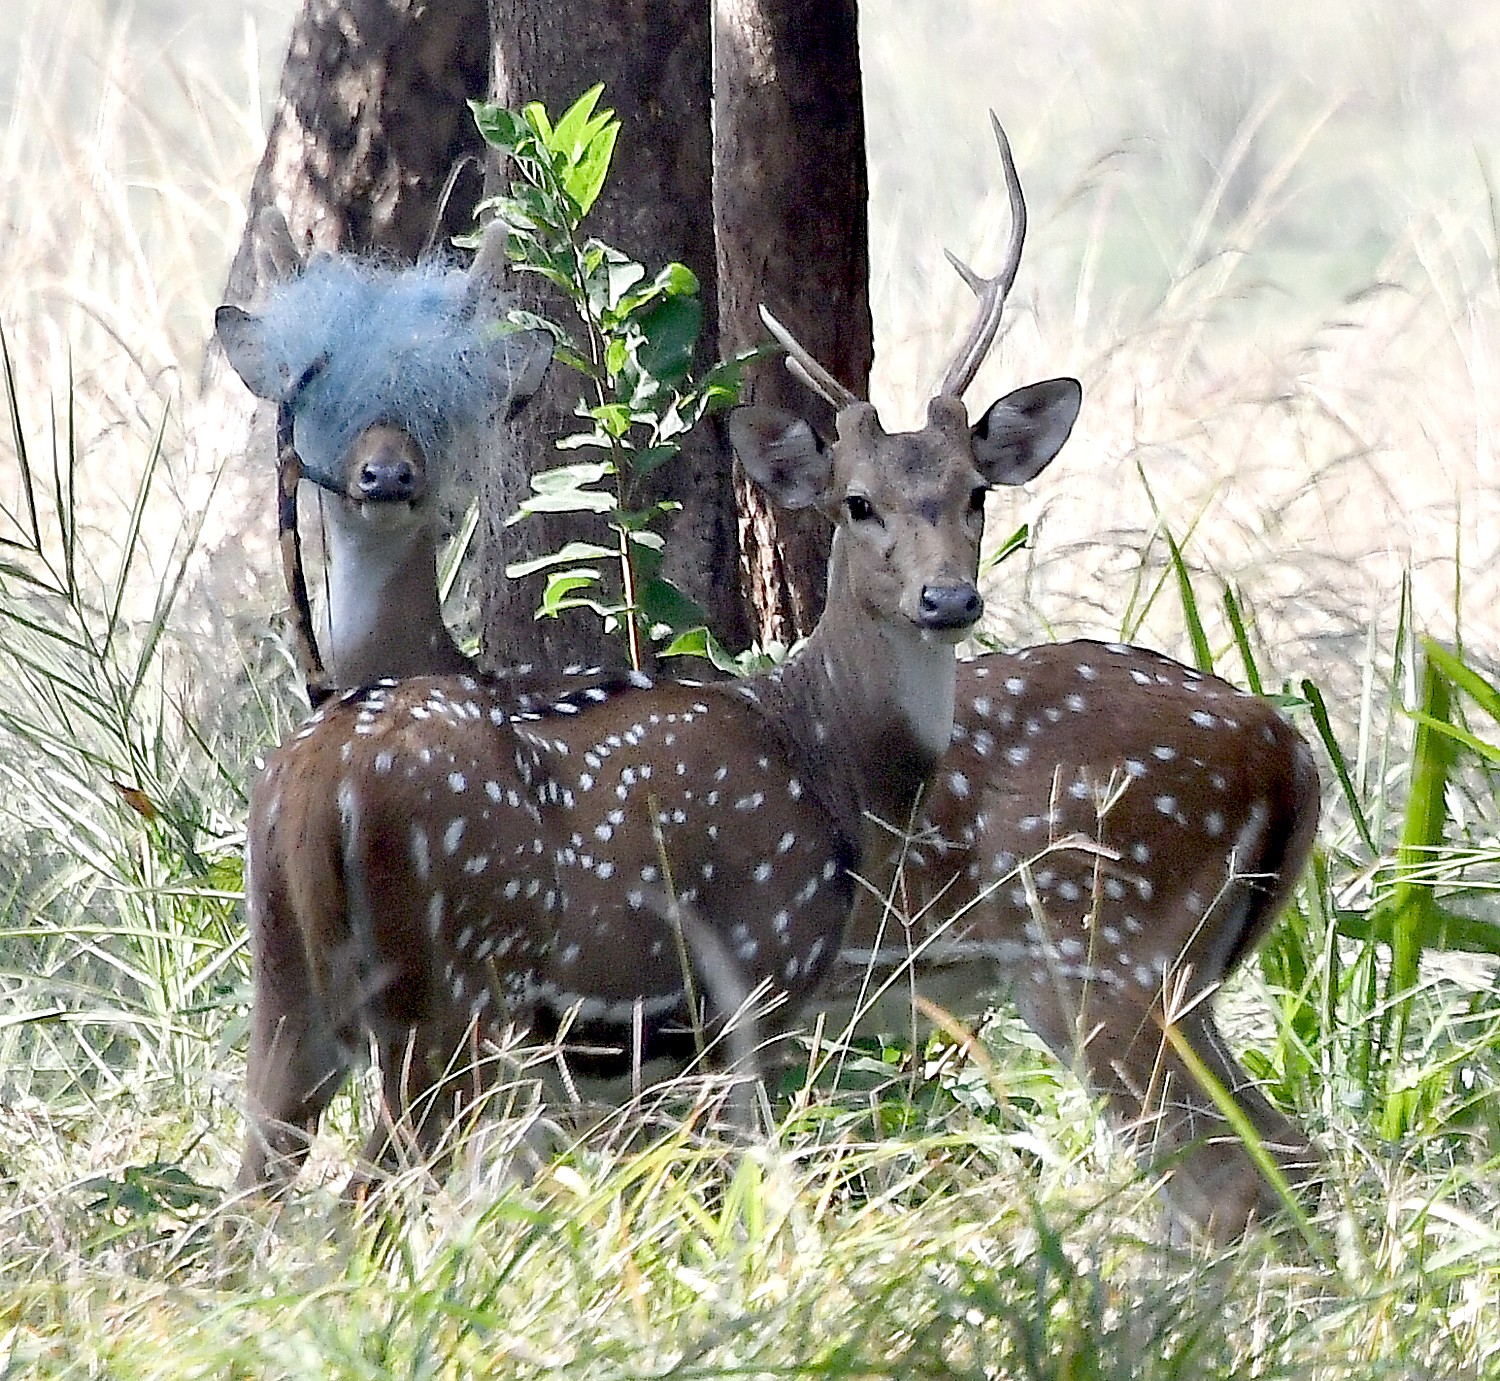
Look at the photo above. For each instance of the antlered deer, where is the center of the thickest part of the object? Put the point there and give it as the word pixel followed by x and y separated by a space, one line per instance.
pixel 429 855
pixel 1111 834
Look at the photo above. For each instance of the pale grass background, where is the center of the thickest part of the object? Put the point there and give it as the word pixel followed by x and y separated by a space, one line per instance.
pixel 1261 235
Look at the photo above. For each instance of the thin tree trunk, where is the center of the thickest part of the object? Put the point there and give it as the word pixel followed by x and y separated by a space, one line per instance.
pixel 790 195
pixel 653 58
pixel 370 134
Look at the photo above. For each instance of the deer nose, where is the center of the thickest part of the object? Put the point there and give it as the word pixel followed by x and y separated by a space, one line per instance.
pixel 950 606
pixel 389 477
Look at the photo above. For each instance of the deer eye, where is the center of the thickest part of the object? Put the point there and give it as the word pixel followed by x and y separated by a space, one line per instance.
pixel 860 509
pixel 976 498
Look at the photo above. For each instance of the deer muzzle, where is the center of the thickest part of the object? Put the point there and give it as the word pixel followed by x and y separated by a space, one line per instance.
pixel 951 607
pixel 388 478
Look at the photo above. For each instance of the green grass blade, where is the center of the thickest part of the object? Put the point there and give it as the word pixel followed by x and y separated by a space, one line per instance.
pixel 1242 641
pixel 1319 709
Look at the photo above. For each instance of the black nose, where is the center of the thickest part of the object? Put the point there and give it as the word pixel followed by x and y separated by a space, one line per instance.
pixel 950 606
pixel 388 477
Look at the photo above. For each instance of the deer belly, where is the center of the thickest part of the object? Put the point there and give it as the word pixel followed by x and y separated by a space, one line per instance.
pixel 871 991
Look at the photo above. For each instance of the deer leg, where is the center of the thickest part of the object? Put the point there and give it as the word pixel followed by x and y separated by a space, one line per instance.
pixel 1117 1040
pixel 295 1066
pixel 432 1077
pixel 1216 1180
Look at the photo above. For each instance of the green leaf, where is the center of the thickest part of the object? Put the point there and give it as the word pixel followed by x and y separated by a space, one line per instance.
pixel 615 418
pixel 1319 710
pixel 586 180
pixel 571 132
pixel 575 361
pixel 534 113
pixel 671 331
pixel 572 501
pixel 678 280
pixel 1009 547
pixel 664 604
pixel 498 126
pixel 1482 692
pixel 585 143
pixel 621 274
pixel 564 477
pixel 582 441
pixel 1203 657
pixel 561 585
pixel 572 551
pixel 615 356
pixel 699 642
pixel 1242 641
pixel 565 489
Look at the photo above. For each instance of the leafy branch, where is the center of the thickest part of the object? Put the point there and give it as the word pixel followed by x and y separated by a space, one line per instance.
pixel 633 346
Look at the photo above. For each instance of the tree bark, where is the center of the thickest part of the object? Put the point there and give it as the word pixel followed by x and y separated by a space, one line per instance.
pixel 371 127
pixel 371 148
pixel 790 206
pixel 653 58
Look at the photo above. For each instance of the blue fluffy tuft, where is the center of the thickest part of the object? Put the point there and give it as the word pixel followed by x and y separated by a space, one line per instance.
pixel 403 346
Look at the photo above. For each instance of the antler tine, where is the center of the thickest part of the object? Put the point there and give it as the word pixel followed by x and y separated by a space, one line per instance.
pixel 277 258
pixel 801 365
pixel 488 268
pixel 991 292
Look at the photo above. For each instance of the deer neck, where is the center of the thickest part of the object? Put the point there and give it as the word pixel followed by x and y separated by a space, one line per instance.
pixel 382 616
pixel 871 702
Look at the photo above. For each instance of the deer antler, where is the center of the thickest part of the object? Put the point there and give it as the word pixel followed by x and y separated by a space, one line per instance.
pixel 277 258
pixel 801 365
pixel 991 292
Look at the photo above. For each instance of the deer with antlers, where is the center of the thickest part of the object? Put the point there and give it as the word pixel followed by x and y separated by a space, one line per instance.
pixel 431 858
pixel 1110 835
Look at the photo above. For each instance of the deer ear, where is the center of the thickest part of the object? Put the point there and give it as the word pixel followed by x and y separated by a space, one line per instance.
pixel 520 363
pixel 782 454
pixel 240 335
pixel 1016 439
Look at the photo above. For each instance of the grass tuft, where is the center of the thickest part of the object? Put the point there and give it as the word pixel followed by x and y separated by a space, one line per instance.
pixel 1273 264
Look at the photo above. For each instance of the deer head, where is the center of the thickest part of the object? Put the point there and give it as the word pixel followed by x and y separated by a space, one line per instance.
pixel 376 371
pixel 908 509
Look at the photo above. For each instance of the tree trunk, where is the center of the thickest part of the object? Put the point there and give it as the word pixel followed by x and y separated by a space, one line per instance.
pixel 371 147
pixel 653 58
pixel 790 197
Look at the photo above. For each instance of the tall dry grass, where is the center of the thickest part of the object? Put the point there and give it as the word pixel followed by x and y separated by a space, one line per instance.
pixel 1264 238
pixel 129 134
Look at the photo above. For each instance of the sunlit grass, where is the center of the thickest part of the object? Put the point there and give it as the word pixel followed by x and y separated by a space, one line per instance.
pixel 1266 242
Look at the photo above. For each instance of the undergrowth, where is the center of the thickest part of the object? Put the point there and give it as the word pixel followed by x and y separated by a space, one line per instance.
pixel 940 1211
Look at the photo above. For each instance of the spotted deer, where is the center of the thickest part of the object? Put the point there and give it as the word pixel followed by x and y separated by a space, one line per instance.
pixel 433 858
pixel 1110 835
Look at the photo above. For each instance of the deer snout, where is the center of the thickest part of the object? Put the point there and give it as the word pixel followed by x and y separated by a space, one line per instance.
pixel 389 476
pixel 952 606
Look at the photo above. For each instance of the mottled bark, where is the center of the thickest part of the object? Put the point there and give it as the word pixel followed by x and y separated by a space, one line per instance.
pixel 790 195
pixel 370 132
pixel 653 58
